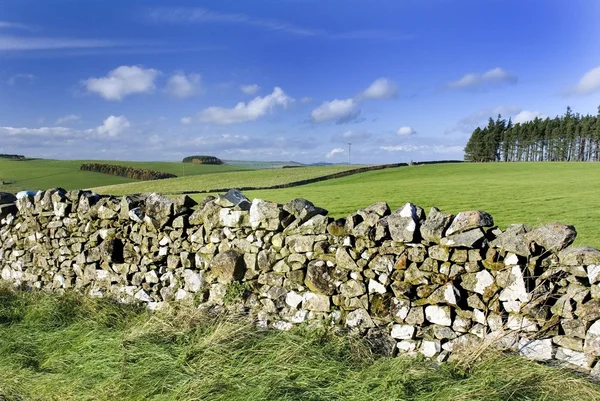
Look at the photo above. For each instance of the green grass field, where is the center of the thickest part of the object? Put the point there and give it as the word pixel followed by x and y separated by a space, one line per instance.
pixel 70 348
pixel 45 173
pixel 254 178
pixel 531 193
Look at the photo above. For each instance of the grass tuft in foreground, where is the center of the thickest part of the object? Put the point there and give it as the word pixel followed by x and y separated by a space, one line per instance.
pixel 71 348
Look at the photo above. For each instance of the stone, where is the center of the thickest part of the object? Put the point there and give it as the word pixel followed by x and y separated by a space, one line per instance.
pixel 345 261
pixel 591 345
pixel 303 210
pixel 194 281
pixel 517 290
pixel 579 256
pixel 430 348
pixel 403 224
pixel 513 240
pixel 237 198
pixel 403 331
pixel 576 358
pixel 265 215
pixel 376 287
pixel 316 302
pixel 380 342
pixel 359 319
pixel 435 225
pixel 318 279
pixel 553 237
pixel 293 299
pixel 439 253
pixel 438 315
pixel 228 266
pixel 470 220
pixel 593 273
pixel 7 198
pixel 468 239
pixel 353 288
pixel 537 350
pixel 478 282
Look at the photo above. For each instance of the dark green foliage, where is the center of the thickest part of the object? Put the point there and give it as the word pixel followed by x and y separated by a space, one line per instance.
pixel 571 137
pixel 202 160
pixel 126 171
pixel 12 157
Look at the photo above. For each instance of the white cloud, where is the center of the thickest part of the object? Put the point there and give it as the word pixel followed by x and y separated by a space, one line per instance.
pixel 13 80
pixel 469 123
pixel 306 99
pixel 113 126
pixel 123 81
pixel 11 43
pixel 495 76
pixel 402 148
pixel 526 116
pixel 356 135
pixel 341 111
pixel 181 85
pixel 14 25
pixel 250 89
pixel 186 120
pixel 67 119
pixel 405 131
pixel 381 88
pixel 244 112
pixel 589 82
pixel 58 132
pixel 333 152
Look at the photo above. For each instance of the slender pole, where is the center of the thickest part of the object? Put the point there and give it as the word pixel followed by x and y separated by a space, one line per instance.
pixel 349 152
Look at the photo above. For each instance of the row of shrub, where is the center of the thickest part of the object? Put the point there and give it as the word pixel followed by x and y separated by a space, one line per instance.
pixel 126 171
pixel 202 159
pixel 12 157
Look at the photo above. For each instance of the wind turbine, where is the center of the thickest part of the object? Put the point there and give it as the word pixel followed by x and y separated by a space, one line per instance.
pixel 349 150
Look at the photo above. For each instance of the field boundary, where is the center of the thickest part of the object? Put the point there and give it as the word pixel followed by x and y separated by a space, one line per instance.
pixel 341 174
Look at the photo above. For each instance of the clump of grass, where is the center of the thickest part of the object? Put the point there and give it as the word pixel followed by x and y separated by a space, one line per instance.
pixel 71 348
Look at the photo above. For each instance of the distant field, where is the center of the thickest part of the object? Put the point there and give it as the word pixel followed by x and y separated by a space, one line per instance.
pixel 266 177
pixel 45 173
pixel 532 193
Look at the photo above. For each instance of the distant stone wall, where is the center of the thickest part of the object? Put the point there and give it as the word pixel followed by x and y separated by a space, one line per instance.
pixel 410 283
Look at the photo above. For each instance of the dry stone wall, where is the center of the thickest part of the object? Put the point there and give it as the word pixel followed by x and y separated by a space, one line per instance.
pixel 410 282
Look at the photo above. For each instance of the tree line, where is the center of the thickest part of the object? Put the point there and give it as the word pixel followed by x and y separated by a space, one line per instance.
pixel 570 137
pixel 12 157
pixel 126 171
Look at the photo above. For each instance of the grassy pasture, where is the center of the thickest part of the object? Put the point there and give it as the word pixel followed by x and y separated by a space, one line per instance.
pixel 254 178
pixel 531 193
pixel 45 173
pixel 69 348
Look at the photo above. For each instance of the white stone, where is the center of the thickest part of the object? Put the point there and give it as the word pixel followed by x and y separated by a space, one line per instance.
pixel 537 350
pixel 438 315
pixel 102 275
pixel 403 331
pixel 593 272
pixel 193 280
pixel 293 299
pixel 181 294
pixel 430 348
pixel 512 306
pixel 359 319
pixel 516 291
pixel 143 296
pixel 156 306
pixel 479 316
pixel 408 210
pixel 151 277
pixel 478 330
pixel 406 346
pixel 511 259
pixel 375 286
pixel 461 325
pixel 450 294
pixel 299 317
pixel 484 280
pixel 592 340
pixel 574 357
pixel 411 227
pixel 282 325
pixel 402 307
pixel 521 323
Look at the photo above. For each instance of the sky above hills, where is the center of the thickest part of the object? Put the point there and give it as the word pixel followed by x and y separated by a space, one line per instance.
pixel 286 79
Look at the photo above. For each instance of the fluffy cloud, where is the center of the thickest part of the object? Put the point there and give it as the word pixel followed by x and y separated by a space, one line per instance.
pixel 589 82
pixel 333 152
pixel 405 131
pixel 15 78
pixel 381 88
pixel 181 85
pixel 496 76
pixel 113 126
pixel 244 112
pixel 67 119
pixel 42 132
pixel 123 81
pixel 185 120
pixel 340 111
pixel 250 89
pixel 306 99
pixel 402 148
pixel 527 115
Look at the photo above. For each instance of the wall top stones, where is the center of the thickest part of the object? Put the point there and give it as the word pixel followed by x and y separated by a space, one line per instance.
pixel 409 281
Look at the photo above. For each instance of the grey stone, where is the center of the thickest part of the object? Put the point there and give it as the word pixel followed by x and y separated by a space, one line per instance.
pixel 435 225
pixel 228 266
pixel 303 209
pixel 552 237
pixel 513 240
pixel 403 224
pixel 579 256
pixel 467 239
pixel 318 279
pixel 466 221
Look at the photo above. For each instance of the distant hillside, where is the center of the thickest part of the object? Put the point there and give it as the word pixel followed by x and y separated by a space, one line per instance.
pixel 262 164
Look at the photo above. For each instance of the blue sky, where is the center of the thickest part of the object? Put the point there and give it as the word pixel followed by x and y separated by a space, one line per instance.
pixel 286 79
